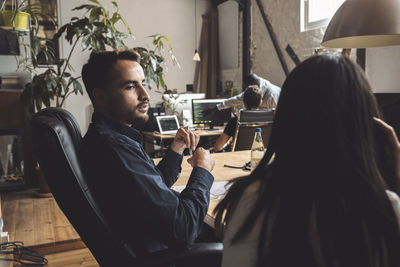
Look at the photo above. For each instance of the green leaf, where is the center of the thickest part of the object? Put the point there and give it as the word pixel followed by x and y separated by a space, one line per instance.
pixel 104 15
pixel 85 42
pixel 84 6
pixel 94 14
pixel 60 31
pixel 162 82
pixel 95 1
pixel 115 17
pixel 77 87
pixel 153 62
pixel 63 86
pixel 114 4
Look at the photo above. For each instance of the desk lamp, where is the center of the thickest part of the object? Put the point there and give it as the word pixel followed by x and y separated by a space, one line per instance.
pixel 364 23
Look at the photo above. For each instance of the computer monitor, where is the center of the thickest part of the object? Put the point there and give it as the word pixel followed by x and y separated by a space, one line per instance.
pixel 200 116
pixel 181 105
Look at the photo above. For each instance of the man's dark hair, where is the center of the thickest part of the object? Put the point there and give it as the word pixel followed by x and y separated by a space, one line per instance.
pixel 95 73
pixel 251 79
pixel 252 96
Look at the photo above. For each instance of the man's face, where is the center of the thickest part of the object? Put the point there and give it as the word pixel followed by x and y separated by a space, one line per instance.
pixel 126 98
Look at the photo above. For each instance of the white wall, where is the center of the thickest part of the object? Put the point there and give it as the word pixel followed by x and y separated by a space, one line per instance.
pixel 174 18
pixel 383 68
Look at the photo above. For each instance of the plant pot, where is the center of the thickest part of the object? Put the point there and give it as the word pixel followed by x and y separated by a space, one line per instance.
pixel 20 23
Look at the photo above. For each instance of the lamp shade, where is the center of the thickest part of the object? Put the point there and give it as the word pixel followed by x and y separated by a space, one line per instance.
pixel 364 23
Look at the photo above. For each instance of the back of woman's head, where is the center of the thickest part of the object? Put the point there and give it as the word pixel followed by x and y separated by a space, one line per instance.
pixel 325 111
pixel 323 196
pixel 324 125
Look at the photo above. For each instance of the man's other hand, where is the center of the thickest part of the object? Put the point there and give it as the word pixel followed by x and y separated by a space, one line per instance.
pixel 202 158
pixel 184 138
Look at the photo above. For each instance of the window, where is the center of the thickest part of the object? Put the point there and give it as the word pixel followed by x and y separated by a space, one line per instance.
pixel 317 13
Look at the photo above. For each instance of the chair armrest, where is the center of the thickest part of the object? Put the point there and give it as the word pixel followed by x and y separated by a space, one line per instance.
pixel 197 254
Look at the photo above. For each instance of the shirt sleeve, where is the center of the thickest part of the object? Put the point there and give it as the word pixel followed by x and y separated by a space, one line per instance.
pixel 174 220
pixel 170 167
pixel 231 102
pixel 230 128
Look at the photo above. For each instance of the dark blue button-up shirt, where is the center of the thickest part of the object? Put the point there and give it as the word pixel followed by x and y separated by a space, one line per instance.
pixel 135 194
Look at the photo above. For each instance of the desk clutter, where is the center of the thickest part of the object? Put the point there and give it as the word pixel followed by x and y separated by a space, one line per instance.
pixel 218 189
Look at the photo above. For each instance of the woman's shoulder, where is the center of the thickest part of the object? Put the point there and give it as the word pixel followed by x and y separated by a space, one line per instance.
pixel 395 200
pixel 243 252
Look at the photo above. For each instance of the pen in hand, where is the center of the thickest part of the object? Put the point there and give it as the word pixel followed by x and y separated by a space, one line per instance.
pixel 190 147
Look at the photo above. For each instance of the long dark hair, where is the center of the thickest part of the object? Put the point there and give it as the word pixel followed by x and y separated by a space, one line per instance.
pixel 323 195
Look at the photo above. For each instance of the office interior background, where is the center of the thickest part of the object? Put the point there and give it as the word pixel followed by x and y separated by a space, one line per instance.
pixel 177 20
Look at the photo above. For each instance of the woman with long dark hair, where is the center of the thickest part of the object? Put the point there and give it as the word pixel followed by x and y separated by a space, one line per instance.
pixel 326 192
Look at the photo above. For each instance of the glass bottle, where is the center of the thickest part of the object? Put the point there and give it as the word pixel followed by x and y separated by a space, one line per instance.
pixel 257 149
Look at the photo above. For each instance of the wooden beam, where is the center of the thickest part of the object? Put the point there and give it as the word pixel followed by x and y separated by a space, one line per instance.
pixel 273 38
pixel 246 68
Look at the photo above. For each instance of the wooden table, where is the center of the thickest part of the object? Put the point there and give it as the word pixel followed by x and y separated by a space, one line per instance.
pixel 220 173
pixel 38 222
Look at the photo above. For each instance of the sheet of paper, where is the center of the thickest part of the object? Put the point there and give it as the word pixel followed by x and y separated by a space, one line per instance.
pixel 218 189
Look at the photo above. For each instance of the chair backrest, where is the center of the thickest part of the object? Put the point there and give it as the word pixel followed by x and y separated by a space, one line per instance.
pixel 57 138
pixel 256 116
pixel 248 121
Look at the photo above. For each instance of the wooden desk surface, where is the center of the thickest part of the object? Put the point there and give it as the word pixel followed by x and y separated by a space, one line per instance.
pixel 219 172
pixel 157 135
pixel 38 222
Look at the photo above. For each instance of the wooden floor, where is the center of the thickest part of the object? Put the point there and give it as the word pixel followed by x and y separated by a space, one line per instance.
pixel 41 225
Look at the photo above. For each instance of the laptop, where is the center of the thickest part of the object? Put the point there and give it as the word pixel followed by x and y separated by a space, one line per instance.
pixel 168 124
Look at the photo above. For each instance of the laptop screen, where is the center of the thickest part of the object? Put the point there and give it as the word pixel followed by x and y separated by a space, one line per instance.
pixel 168 124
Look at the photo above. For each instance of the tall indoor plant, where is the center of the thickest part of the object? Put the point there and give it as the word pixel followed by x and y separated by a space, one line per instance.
pixel 96 30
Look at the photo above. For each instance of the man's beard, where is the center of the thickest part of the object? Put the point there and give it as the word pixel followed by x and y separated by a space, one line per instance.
pixel 140 119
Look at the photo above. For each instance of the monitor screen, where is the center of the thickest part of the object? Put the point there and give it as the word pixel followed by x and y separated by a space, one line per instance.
pixel 168 124
pixel 200 106
pixel 181 105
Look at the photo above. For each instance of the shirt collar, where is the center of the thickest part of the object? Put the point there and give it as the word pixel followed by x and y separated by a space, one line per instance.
pixel 117 126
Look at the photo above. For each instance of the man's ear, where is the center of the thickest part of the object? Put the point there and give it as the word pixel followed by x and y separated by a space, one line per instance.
pixel 99 97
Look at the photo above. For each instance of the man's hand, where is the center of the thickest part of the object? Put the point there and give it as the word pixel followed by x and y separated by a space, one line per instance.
pixel 391 134
pixel 184 139
pixel 202 158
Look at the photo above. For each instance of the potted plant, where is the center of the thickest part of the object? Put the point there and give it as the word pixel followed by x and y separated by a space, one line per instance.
pixel 153 61
pixel 13 15
pixel 96 30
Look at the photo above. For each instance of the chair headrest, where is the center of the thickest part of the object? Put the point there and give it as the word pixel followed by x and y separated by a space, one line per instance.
pixel 59 115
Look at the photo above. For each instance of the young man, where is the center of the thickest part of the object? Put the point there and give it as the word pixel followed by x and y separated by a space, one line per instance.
pixel 270 93
pixel 252 100
pixel 134 193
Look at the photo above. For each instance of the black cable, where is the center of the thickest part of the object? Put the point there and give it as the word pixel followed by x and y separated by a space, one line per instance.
pixel 22 254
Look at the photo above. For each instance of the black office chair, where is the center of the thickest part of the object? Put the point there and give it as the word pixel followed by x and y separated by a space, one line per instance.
pixel 57 138
pixel 248 121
